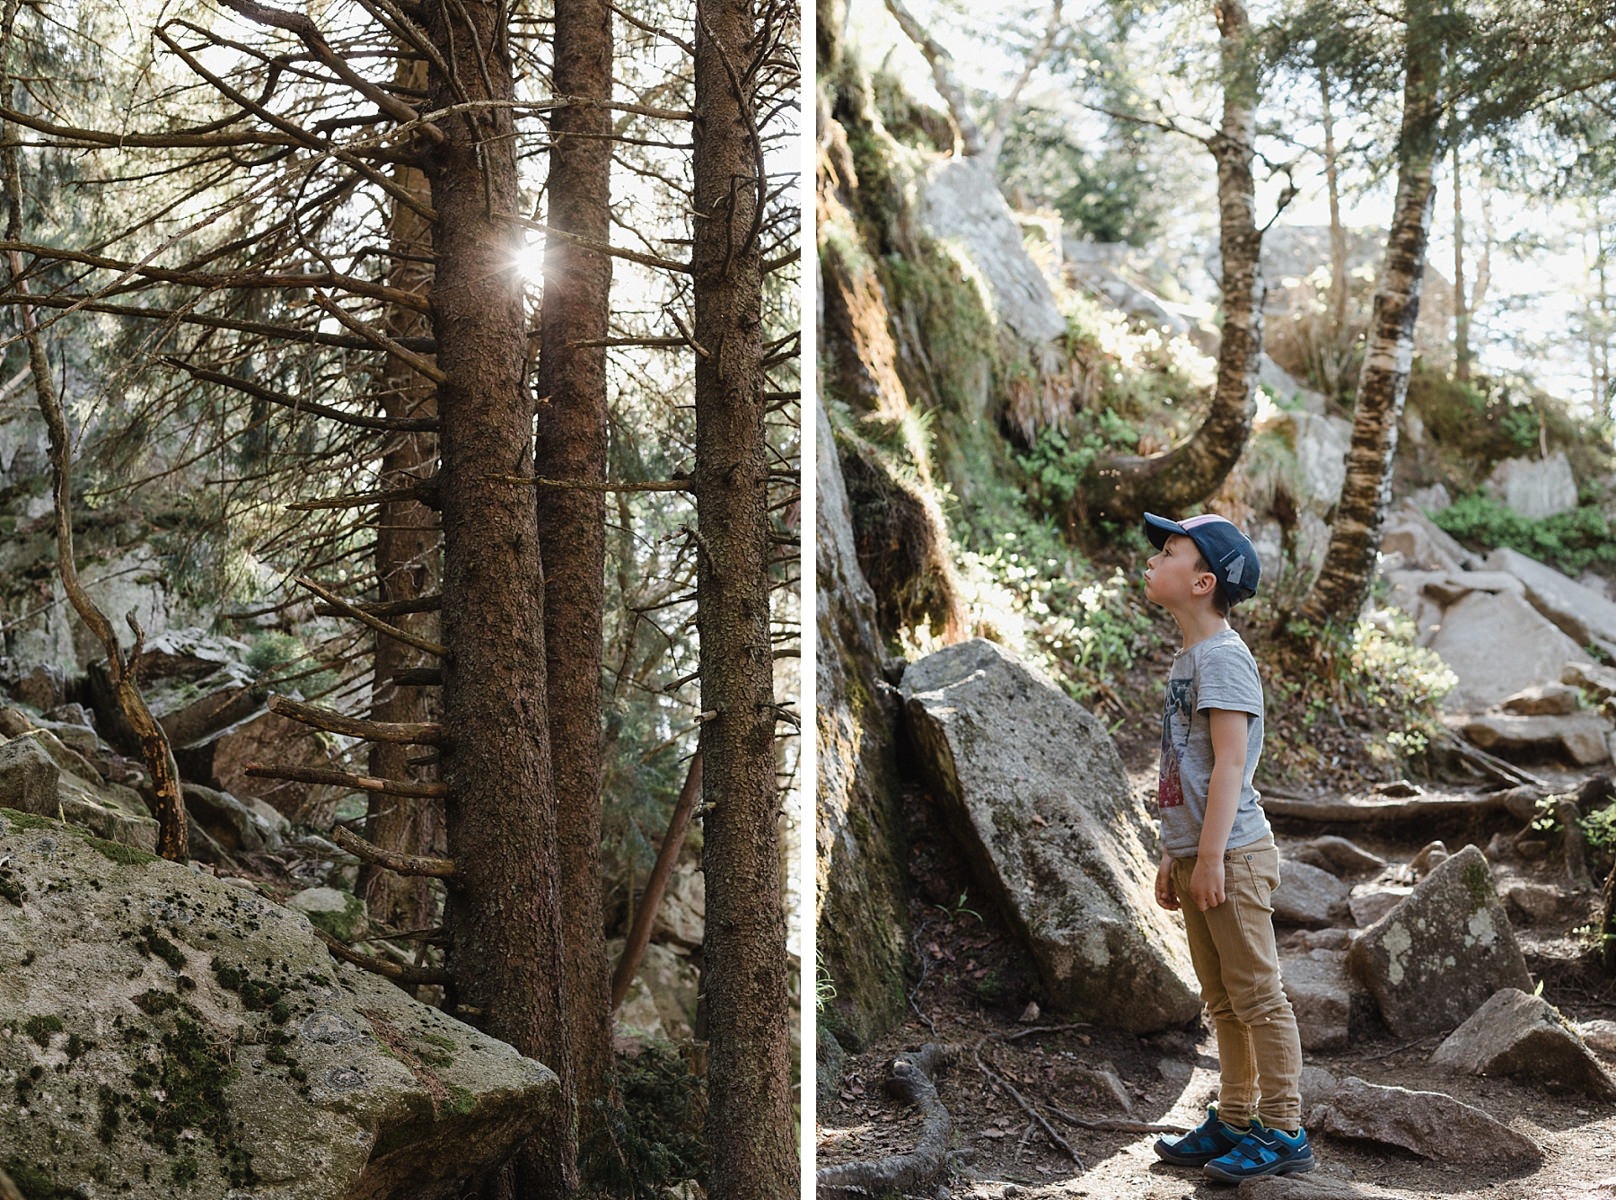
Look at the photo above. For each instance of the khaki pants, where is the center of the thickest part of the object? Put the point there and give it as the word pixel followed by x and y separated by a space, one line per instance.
pixel 1232 947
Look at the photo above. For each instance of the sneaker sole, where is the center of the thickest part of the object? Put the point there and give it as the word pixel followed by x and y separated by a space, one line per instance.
pixel 1291 1166
pixel 1186 1160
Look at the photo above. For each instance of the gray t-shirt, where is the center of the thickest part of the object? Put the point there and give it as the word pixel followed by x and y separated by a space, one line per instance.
pixel 1217 672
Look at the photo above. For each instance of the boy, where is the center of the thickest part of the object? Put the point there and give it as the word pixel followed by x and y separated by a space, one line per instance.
pixel 1219 863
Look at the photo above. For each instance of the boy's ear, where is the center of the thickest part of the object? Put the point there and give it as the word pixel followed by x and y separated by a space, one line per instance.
pixel 1205 581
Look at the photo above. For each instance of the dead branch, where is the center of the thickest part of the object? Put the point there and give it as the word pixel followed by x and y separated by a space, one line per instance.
pixel 376 623
pixel 425 492
pixel 403 733
pixel 359 783
pixel 393 860
pixel 1000 1081
pixel 1115 1124
pixel 910 1079
pixel 397 972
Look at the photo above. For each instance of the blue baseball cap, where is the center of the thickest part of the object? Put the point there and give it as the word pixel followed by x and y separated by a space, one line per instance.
pixel 1228 552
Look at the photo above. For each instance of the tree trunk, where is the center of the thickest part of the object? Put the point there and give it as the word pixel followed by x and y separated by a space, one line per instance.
pixel 1342 587
pixel 751 1138
pixel 1461 310
pixel 1126 485
pixel 504 918
pixel 407 567
pixel 572 522
pixel 1335 347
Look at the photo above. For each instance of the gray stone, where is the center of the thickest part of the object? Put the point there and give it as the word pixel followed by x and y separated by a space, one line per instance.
pixel 860 866
pixel 1433 959
pixel 1496 645
pixel 1584 615
pixel 1320 992
pixel 1598 1035
pixel 1524 1037
pixel 1535 487
pixel 682 916
pixel 307 1078
pixel 1598 681
pixel 234 825
pixel 960 202
pixel 1543 700
pixel 1036 794
pixel 1580 737
pixel 1339 856
pixel 1431 1124
pixel 1430 856
pixel 28 776
pixel 43 687
pixel 1374 902
pixel 1422 542
pixel 341 914
pixel 1307 895
pixel 1449 589
pixel 1536 903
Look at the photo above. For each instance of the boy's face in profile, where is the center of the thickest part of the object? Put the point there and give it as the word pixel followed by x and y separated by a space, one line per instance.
pixel 1173 578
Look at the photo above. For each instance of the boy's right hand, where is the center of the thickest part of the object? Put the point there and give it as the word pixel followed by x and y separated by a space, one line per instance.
pixel 1166 893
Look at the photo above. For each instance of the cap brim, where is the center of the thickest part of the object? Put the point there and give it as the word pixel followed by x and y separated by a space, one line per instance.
pixel 1159 529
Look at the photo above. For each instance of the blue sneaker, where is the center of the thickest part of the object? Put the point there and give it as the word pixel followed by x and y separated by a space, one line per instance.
pixel 1208 1140
pixel 1263 1151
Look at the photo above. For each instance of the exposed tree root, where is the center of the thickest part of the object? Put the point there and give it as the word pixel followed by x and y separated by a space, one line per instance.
pixel 911 1079
pixel 1008 1089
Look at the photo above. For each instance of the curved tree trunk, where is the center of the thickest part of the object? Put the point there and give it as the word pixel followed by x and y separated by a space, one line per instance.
pixel 750 1086
pixel 1342 587
pixel 1126 485
pixel 572 521
pixel 406 569
pixel 504 917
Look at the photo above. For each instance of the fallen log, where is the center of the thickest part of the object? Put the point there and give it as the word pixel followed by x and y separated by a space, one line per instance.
pixel 910 1078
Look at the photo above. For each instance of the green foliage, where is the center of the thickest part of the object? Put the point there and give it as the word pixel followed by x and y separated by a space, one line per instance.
pixel 655 1140
pixel 1599 828
pixel 1571 541
pixel 1056 466
pixel 273 651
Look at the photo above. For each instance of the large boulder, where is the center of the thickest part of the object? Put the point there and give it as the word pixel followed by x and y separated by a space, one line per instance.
pixel 1535 487
pixel 173 1035
pixel 1525 1037
pixel 859 872
pixel 1035 792
pixel 1585 616
pixel 32 780
pixel 1431 1124
pixel 1433 960
pixel 1498 644
pixel 1580 737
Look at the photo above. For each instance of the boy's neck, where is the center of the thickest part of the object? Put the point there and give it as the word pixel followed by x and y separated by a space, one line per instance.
pixel 1198 624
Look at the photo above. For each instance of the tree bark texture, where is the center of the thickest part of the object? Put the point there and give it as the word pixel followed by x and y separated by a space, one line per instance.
pixel 1126 485
pixel 751 1139
pixel 504 925
pixel 572 521
pixel 1343 584
pixel 1338 231
pixel 1461 309
pixel 407 567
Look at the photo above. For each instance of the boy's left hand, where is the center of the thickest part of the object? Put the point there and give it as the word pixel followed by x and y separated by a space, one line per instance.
pixel 1206 882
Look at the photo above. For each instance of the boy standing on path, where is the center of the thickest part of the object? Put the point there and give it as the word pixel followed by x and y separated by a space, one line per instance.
pixel 1219 864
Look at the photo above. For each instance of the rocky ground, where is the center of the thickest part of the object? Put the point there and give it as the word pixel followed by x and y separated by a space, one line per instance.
pixel 1042 1108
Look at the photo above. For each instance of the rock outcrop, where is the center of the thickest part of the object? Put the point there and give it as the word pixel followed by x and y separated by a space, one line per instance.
pixel 174 1035
pixel 1035 793
pixel 1525 1037
pixel 1433 960
pixel 860 861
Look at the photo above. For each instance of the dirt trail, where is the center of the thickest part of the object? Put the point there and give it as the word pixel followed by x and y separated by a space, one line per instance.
pixel 972 995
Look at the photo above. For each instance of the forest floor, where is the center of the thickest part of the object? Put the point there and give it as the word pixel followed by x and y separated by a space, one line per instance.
pixel 971 989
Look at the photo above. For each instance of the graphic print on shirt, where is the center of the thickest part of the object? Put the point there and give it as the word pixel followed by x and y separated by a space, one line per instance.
pixel 1175 735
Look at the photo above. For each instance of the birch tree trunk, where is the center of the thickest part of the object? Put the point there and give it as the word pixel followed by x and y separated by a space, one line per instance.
pixel 1343 584
pixel 751 1140
pixel 1126 485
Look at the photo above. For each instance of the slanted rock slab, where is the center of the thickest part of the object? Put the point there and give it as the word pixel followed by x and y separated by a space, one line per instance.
pixel 1525 1037
pixel 1339 856
pixel 1579 736
pixel 1431 1124
pixel 175 1036
pixel 1035 792
pixel 32 781
pixel 1433 960
pixel 1497 645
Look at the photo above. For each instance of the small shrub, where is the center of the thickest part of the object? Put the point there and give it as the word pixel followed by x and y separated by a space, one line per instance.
pixel 1571 541
pixel 656 1138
